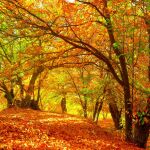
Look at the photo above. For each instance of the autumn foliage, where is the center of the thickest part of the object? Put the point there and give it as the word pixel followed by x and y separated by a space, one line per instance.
pixel 94 54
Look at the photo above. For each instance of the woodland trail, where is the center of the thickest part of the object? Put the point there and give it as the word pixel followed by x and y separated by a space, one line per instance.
pixel 25 129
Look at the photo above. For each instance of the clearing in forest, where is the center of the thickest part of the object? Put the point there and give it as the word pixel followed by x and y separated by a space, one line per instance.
pixel 26 129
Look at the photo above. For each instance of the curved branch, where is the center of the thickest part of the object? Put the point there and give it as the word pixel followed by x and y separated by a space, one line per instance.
pixel 87 47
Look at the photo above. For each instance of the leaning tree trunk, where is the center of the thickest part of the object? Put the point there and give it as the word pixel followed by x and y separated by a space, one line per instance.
pixel 35 105
pixel 116 115
pixel 98 106
pixel 114 111
pixel 97 109
pixel 28 102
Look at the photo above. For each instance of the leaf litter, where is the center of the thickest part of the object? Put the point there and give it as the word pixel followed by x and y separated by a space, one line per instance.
pixel 26 129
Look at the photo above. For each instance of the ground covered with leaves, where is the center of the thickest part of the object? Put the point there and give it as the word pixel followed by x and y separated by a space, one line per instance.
pixel 25 129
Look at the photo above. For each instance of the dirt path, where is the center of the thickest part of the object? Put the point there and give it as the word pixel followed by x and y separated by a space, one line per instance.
pixel 28 129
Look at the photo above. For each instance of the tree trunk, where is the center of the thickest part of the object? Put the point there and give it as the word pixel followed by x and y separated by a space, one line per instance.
pixel 34 104
pixel 27 102
pixel 17 103
pixel 19 82
pixel 141 133
pixel 128 113
pixel 95 110
pixel 125 79
pixel 98 111
pixel 85 106
pixel 63 105
pixel 116 115
pixel 9 95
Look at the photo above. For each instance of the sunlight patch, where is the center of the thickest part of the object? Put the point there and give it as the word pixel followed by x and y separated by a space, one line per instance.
pixel 70 1
pixel 60 119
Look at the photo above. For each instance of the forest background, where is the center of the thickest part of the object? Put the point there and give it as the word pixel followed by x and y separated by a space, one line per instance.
pixel 94 54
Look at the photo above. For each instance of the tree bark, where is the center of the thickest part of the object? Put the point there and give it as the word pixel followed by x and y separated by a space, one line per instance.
pixel 128 113
pixel 97 109
pixel 141 133
pixel 9 94
pixel 63 105
pixel 85 106
pixel 28 102
pixel 126 86
pixel 116 115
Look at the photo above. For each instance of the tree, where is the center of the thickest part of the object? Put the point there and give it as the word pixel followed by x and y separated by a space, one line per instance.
pixel 124 81
pixel 142 125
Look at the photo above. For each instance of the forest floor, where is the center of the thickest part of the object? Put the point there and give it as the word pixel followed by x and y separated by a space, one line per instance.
pixel 25 129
